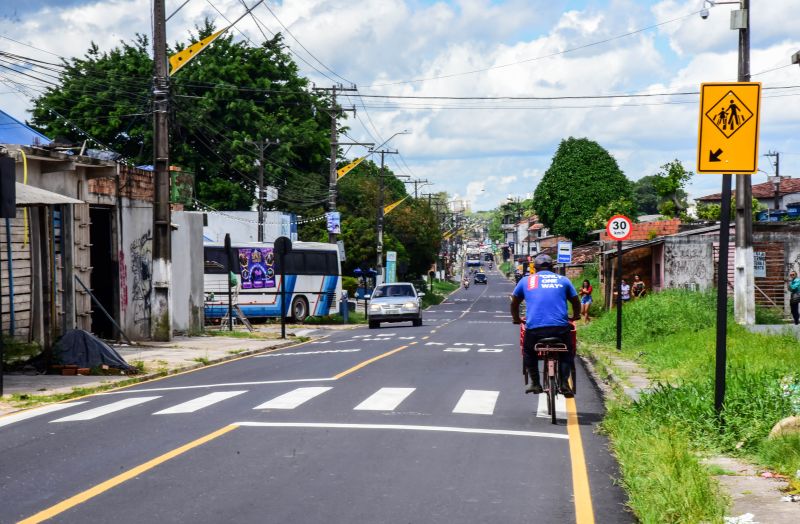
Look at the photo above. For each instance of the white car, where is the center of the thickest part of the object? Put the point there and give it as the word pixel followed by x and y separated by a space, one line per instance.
pixel 396 302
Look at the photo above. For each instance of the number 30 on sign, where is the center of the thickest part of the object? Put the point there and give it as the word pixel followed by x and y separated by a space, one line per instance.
pixel 619 227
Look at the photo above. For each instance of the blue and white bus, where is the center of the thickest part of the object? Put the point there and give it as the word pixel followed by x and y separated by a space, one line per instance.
pixel 313 280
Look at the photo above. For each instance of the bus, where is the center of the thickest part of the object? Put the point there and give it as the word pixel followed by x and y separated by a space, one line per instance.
pixel 313 280
pixel 473 258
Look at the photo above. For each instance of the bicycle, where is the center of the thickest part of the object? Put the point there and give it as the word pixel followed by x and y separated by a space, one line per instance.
pixel 548 350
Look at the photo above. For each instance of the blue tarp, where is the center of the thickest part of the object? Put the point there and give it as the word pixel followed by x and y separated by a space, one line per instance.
pixel 12 131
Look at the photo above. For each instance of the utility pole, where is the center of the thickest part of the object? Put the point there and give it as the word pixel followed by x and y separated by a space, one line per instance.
pixel 744 279
pixel 335 111
pixel 379 221
pixel 160 304
pixel 777 178
pixel 262 146
pixel 416 184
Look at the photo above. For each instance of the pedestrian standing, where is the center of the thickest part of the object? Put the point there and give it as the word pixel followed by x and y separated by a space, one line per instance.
pixel 586 300
pixel 794 298
pixel 638 287
pixel 625 290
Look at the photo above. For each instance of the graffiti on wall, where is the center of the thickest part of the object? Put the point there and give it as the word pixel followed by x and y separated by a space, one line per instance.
pixel 142 270
pixel 123 283
pixel 688 265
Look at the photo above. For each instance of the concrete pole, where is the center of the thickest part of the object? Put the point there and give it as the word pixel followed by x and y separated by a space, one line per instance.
pixel 160 303
pixel 744 280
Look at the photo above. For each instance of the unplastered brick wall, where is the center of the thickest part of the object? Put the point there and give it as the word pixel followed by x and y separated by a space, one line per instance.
pixel 135 184
pixel 649 230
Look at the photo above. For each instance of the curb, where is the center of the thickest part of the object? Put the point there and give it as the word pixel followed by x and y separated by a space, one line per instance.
pixel 135 380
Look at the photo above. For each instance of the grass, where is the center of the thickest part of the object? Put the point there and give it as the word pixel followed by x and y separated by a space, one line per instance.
pixel 441 288
pixel 505 267
pixel 657 439
pixel 783 454
pixel 202 360
pixel 353 317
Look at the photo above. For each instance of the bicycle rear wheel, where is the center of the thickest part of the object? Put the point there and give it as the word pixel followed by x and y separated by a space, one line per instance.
pixel 552 390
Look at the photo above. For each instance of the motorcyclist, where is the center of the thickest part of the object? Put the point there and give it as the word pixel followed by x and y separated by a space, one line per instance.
pixel 546 295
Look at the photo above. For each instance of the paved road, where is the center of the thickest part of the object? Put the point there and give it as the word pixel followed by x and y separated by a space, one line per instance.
pixel 396 425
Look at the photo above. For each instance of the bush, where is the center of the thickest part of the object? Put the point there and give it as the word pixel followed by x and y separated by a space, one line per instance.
pixel 350 284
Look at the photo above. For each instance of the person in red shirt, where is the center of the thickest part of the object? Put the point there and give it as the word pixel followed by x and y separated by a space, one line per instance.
pixel 586 299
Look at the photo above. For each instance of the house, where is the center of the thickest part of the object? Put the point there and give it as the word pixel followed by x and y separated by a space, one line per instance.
pixel 773 195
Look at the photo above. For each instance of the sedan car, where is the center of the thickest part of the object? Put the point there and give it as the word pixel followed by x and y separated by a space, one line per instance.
pixel 480 278
pixel 396 302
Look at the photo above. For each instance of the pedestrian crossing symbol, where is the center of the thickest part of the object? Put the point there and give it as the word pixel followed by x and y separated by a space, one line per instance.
pixel 729 114
pixel 727 138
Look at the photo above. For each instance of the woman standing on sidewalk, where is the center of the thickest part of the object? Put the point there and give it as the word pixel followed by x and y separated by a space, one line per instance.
pixel 586 299
pixel 794 298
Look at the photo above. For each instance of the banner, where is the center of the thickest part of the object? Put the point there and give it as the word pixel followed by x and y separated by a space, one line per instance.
pixel 391 266
pixel 388 209
pixel 349 167
pixel 257 267
pixel 334 222
pixel 181 58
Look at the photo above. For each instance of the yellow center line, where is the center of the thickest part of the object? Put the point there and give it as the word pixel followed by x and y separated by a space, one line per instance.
pixel 368 362
pixel 90 493
pixel 584 513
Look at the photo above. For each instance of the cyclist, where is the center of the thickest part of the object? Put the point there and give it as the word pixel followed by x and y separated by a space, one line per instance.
pixel 546 295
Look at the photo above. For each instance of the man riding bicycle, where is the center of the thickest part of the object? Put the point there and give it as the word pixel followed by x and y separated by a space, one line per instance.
pixel 546 295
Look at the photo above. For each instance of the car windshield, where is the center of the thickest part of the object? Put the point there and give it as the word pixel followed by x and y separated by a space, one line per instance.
pixel 393 291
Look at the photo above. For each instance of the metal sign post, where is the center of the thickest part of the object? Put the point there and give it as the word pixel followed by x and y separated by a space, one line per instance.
pixel 619 227
pixel 722 295
pixel 282 247
pixel 230 266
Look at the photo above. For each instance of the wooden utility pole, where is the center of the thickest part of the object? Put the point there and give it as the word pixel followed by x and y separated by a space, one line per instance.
pixel 416 183
pixel 160 303
pixel 379 221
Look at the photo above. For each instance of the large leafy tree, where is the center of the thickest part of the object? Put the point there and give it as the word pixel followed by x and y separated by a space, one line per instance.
pixel 670 183
pixel 645 196
pixel 582 177
pixel 229 95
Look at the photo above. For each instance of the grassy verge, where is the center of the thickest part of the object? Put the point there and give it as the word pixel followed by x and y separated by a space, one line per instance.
pixel 441 288
pixel 505 267
pixel 658 439
pixel 241 334
pixel 353 317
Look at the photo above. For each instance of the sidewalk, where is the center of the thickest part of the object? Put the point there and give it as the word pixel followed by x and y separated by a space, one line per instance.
pixel 161 358
pixel 754 499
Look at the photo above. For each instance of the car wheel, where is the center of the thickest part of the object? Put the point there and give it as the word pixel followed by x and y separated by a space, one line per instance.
pixel 299 309
pixel 374 324
pixel 417 322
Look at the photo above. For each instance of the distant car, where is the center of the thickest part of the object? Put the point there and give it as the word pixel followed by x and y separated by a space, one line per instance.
pixel 396 302
pixel 480 278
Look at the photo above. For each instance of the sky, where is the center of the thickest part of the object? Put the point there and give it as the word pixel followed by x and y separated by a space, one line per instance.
pixel 484 150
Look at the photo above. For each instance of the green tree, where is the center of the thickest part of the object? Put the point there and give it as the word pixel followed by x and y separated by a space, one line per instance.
pixel 620 206
pixel 669 183
pixel 232 93
pixel 711 211
pixel 645 196
pixel 581 178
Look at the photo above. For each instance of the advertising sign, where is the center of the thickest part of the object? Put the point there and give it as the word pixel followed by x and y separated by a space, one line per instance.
pixel 334 224
pixel 257 267
pixel 391 266
pixel 760 264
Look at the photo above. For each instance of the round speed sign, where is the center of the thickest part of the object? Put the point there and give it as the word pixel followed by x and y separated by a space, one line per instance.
pixel 619 227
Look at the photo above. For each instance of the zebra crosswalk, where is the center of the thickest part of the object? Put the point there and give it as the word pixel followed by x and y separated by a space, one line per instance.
pixel 385 399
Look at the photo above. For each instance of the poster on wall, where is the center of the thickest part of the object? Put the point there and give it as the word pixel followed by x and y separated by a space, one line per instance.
pixel 257 267
pixel 760 264
pixel 334 224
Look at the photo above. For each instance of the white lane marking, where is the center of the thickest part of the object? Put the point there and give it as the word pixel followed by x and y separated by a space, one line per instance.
pixel 307 353
pixel 385 334
pixel 119 405
pixel 468 344
pixel 501 345
pixel 293 398
pixel 322 342
pixel 222 385
pixel 199 403
pixel 482 311
pixel 448 311
pixel 490 350
pixel 362 336
pixel 477 402
pixel 434 343
pixel 406 338
pixel 30 413
pixel 457 350
pixel 502 316
pixel 385 399
pixel 444 429
pixel 561 407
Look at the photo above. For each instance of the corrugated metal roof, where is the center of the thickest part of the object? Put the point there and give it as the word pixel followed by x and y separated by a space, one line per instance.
pixel 12 131
pixel 31 196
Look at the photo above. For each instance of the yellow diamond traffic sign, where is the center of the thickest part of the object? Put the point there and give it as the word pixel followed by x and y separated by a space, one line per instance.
pixel 727 140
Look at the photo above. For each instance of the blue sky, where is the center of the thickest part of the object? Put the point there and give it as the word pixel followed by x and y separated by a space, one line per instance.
pixel 486 151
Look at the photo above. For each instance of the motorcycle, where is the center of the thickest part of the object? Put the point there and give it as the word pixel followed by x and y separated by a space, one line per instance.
pixel 466 283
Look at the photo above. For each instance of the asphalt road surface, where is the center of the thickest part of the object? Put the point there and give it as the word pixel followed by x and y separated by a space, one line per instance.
pixel 396 425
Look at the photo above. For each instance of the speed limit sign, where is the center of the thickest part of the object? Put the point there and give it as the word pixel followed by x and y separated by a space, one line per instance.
pixel 619 227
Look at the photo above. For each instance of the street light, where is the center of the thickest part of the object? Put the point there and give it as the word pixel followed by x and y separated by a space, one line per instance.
pixel 379 219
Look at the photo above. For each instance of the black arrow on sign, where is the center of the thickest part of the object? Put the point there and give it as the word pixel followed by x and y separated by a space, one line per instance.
pixel 714 156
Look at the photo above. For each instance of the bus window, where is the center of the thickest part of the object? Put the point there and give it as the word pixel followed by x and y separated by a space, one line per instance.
pixel 215 260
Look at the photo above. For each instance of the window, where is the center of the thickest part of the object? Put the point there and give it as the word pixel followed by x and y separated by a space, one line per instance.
pixel 402 290
pixel 308 262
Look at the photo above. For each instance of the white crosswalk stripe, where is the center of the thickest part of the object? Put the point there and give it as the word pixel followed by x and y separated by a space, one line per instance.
pixel 293 398
pixel 561 407
pixel 105 410
pixel 477 402
pixel 200 402
pixel 30 413
pixel 385 399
